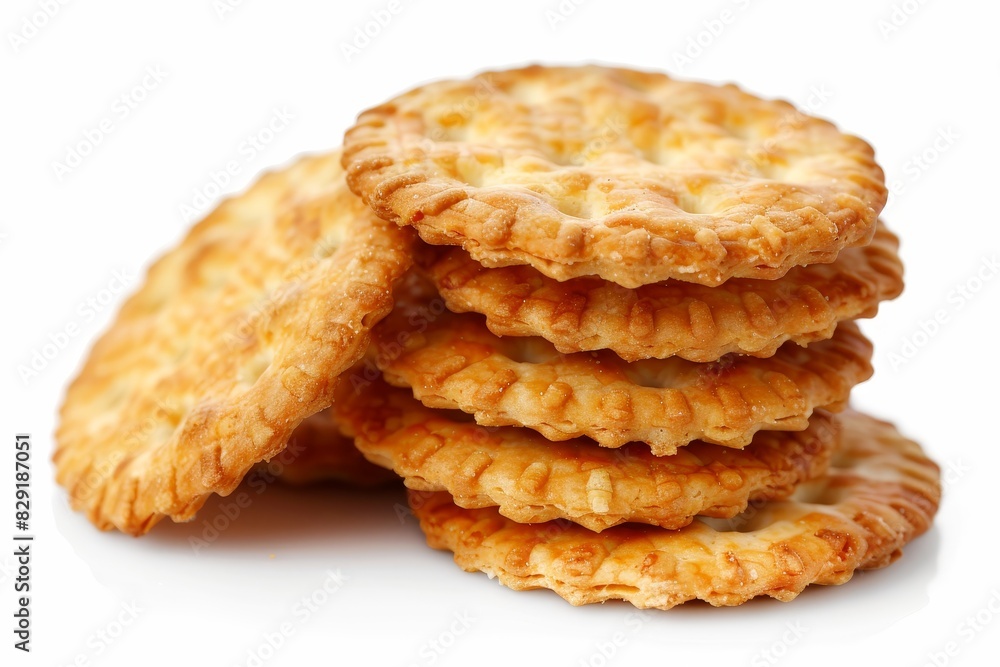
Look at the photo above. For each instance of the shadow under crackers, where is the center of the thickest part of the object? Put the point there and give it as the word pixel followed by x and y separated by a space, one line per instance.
pixel 281 519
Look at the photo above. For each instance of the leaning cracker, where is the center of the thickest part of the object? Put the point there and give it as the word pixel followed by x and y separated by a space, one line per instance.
pixel 531 479
pixel 237 335
pixel 318 451
pixel 453 361
pixel 673 318
pixel 881 493
pixel 631 176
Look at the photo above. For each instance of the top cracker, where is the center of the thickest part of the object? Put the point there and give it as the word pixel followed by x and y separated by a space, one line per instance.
pixel 628 175
pixel 237 335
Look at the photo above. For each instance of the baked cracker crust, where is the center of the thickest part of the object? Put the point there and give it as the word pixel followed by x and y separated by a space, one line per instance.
pixel 452 361
pixel 236 336
pixel 631 176
pixel 320 453
pixel 531 479
pixel 880 493
pixel 694 322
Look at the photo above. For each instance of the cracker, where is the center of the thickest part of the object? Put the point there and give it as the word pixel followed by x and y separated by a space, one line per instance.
pixel 881 492
pixel 694 322
pixel 631 176
pixel 531 479
pixel 453 361
pixel 236 336
pixel 320 453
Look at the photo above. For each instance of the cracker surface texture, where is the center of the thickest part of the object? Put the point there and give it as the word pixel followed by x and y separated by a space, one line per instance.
pixel 237 335
pixel 631 176
pixel 694 322
pixel 453 361
pixel 880 493
pixel 531 479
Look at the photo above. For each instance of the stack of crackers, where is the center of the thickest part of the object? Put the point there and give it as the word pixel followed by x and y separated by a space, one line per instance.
pixel 600 321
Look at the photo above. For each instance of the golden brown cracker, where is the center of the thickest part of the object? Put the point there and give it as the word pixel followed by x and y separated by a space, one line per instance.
pixel 453 361
pixel 322 453
pixel 236 336
pixel 531 479
pixel 880 493
pixel 670 318
pixel 631 176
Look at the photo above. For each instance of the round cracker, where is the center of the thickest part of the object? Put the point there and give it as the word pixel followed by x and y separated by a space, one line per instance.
pixel 631 176
pixel 880 493
pixel 531 479
pixel 671 318
pixel 237 335
pixel 453 361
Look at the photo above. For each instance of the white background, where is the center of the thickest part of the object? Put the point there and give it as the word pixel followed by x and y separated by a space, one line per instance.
pixel 224 75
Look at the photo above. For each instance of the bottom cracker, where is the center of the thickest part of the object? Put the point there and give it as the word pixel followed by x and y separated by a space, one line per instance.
pixel 880 493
